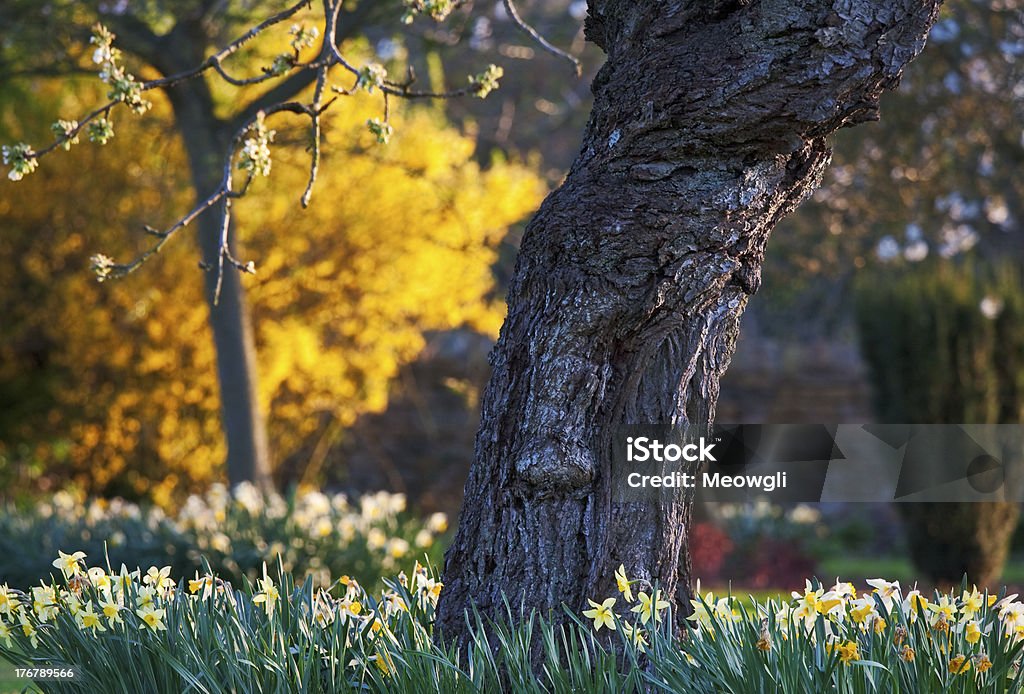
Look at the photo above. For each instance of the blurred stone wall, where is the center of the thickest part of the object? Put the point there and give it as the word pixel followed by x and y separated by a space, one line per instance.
pixel 782 381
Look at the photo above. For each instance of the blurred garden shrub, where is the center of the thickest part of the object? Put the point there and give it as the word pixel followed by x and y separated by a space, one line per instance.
pixel 944 343
pixel 762 544
pixel 315 534
pixel 111 388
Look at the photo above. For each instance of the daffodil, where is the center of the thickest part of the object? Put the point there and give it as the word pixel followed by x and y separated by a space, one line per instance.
pixel 5 634
pixel 973 632
pixel 886 590
pixel 863 611
pixel 982 663
pixel 123 578
pixel 394 603
pixel 623 583
pixel 650 606
pixel 159 579
pixel 44 602
pixel 635 636
pixel 152 617
pixel 972 602
pixel 848 652
pixel 99 578
pixel 146 597
pixel 6 600
pixel 204 583
pixel 944 609
pixel 807 603
pixel 69 564
pixel 602 614
pixel 844 590
pixel 914 604
pixel 111 610
pixel 29 630
pixel 268 594
pixel 88 619
pixel 959 665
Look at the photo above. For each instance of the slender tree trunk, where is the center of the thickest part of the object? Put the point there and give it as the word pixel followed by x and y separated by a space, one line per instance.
pixel 708 127
pixel 206 142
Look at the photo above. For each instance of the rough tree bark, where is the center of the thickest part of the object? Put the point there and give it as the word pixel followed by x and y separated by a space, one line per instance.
pixel 708 127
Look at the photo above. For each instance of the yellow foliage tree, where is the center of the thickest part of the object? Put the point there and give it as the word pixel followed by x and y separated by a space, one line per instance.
pixel 113 384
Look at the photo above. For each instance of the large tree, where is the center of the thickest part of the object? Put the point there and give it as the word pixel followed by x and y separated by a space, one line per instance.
pixel 708 126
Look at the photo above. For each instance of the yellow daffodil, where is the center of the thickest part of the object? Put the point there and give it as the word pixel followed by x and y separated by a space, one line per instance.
pixel 268 594
pixel 848 652
pixel 602 614
pixel 844 590
pixel 830 604
pixel 393 603
pixel 972 602
pixel 99 578
pixel 69 564
pixel 959 665
pixel 863 611
pixel 111 610
pixel 982 663
pixel 29 630
pixel 944 610
pixel 914 604
pixel 886 590
pixel 973 632
pixel 205 583
pixel 88 619
pixel 635 636
pixel 650 606
pixel 146 597
pixel 623 583
pixel 159 579
pixel 6 600
pixel 5 634
pixel 152 618
pixel 124 578
pixel 44 602
pixel 383 662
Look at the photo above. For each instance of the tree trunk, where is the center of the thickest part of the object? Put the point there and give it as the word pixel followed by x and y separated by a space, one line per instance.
pixel 206 142
pixel 708 127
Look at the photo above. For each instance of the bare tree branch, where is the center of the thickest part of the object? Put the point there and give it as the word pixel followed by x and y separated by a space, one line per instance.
pixel 513 12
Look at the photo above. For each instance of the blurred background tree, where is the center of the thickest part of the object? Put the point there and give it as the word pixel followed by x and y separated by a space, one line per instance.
pixel 945 344
pixel 938 178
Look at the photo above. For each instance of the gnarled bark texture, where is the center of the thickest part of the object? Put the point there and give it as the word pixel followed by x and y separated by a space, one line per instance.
pixel 708 127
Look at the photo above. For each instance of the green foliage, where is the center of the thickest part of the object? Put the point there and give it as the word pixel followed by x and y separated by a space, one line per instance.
pixel 313 534
pixel 133 631
pixel 945 344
